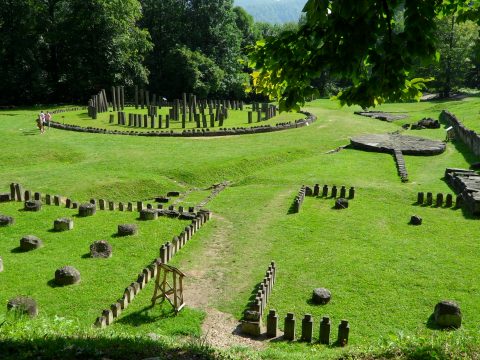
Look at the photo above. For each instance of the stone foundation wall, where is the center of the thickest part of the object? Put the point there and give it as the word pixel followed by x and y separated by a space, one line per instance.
pixel 194 133
pixel 469 137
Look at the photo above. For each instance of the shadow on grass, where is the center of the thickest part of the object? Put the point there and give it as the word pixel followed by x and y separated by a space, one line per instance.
pixel 101 347
pixel 17 250
pixel 147 316
pixel 31 132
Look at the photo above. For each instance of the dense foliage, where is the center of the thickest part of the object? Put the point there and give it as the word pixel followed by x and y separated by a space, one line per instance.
pixel 372 44
pixel 67 49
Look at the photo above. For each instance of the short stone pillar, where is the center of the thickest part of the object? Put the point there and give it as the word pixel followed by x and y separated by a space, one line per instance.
pixel 148 214
pixel 343 331
pixel 48 199
pixel 272 324
pixel 325 327
pixel 439 200
pixel 307 328
pixel 63 224
pixel 139 205
pixel 289 332
pixel 308 191
pixel 420 198
pixel 316 190
pixel 37 196
pixel 108 314
pixel 429 198
pixel 101 322
pixel 85 210
pixel 101 204
pixel 1 264
pixel 325 191
pixel 448 200
pixel 334 191
pixel 351 193
pixel 343 192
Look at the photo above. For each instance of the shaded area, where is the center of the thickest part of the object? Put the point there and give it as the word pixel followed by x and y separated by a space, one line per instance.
pixel 100 348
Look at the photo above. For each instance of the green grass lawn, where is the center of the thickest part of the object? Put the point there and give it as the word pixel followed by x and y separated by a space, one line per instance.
pixel 385 276
pixel 236 118
pixel 103 281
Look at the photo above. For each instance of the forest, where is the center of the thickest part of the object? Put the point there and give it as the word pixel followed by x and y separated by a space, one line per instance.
pixel 66 50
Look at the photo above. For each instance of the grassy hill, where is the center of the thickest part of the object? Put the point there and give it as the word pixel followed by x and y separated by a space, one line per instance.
pixel 385 276
pixel 273 11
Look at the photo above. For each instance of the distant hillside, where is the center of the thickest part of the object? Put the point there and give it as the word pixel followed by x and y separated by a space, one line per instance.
pixel 273 11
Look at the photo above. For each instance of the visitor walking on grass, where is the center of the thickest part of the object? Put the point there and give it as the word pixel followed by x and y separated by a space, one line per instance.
pixel 48 117
pixel 40 122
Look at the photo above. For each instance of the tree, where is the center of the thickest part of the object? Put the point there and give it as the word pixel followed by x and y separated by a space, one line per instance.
pixel 357 41
pixel 65 50
pixel 21 68
pixel 191 72
pixel 100 45
pixel 456 46
pixel 207 26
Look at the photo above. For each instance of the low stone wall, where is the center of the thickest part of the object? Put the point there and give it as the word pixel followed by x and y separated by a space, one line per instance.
pixel 401 167
pixel 467 185
pixel 167 251
pixel 469 137
pixel 194 132
pixel 252 318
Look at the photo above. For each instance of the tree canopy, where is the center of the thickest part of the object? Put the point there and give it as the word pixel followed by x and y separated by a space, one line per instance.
pixel 373 44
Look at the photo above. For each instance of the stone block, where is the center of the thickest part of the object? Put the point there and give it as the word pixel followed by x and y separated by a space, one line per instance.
pixel 63 224
pixel 30 242
pixel 148 214
pixel 23 305
pixel 87 210
pixel 32 205
pixel 127 229
pixel 6 220
pixel 447 314
pixel 67 275
pixel 4 197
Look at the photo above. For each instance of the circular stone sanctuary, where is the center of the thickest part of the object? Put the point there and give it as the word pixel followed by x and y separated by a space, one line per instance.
pixel 408 145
